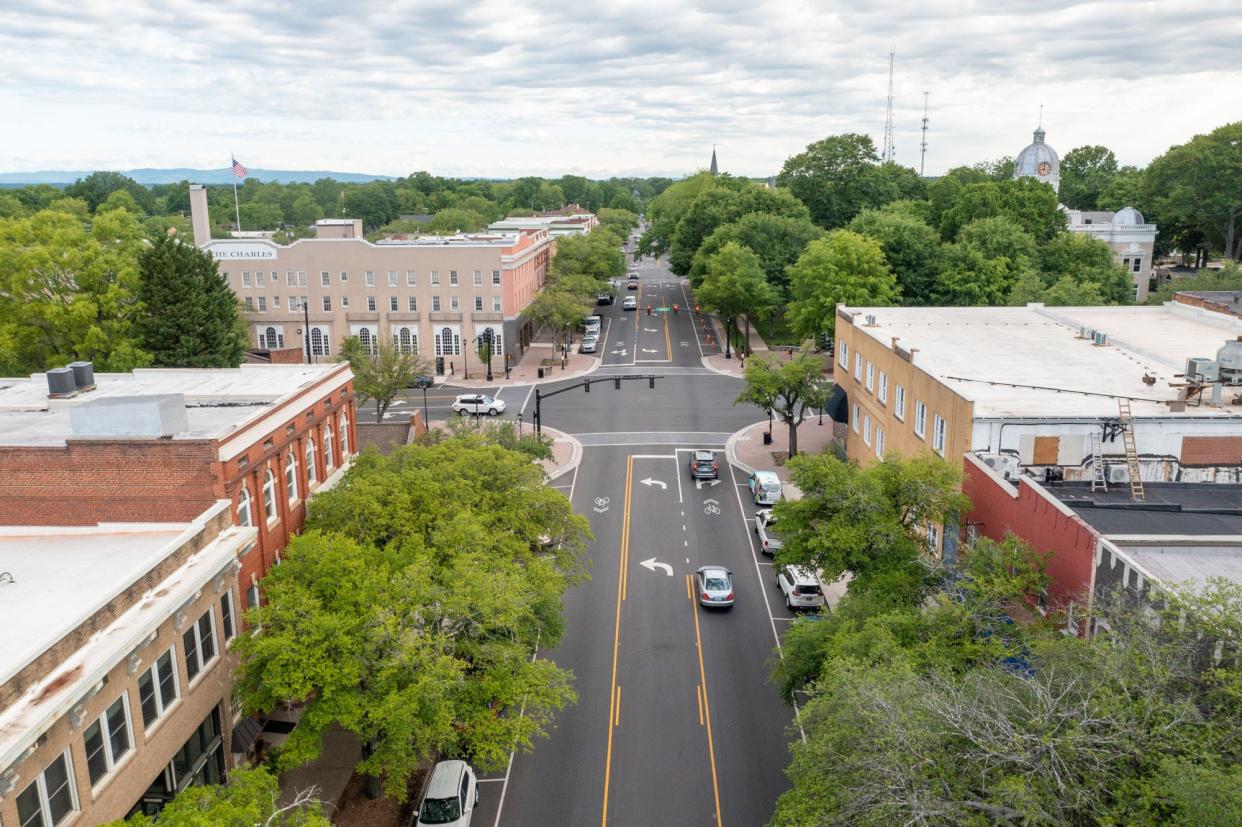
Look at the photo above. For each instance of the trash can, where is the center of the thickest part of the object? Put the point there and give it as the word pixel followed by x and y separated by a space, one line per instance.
pixel 541 373
pixel 767 437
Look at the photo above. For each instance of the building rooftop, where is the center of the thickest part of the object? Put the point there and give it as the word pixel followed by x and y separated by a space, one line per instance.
pixel 216 401
pixel 1032 361
pixel 1189 563
pixel 1176 509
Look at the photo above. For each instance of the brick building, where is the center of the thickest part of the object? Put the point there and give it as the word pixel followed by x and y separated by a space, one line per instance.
pixel 115 673
pixel 160 445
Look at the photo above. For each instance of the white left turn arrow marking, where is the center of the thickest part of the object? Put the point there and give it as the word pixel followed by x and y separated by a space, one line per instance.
pixel 650 482
pixel 651 565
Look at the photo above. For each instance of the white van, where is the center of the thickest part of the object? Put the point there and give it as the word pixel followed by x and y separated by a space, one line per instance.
pixel 765 487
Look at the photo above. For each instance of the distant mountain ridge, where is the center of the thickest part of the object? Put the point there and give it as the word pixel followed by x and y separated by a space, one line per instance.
pixel 224 175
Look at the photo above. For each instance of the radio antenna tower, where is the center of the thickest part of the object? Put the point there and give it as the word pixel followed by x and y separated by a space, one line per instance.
pixel 890 151
pixel 923 156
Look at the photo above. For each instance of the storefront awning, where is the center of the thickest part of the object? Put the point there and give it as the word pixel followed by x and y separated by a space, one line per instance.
pixel 245 734
pixel 838 405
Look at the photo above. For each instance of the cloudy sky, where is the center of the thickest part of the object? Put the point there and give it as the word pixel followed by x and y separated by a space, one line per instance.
pixel 496 88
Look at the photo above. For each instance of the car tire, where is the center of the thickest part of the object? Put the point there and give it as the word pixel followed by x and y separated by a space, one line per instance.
pixel 463 412
pixel 493 412
pixel 789 603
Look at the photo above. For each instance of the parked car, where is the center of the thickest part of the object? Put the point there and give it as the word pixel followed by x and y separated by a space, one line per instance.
pixel 703 466
pixel 765 487
pixel 421 381
pixel 478 403
pixel 633 275
pixel 769 541
pixel 604 298
pixel 631 303
pixel 715 586
pixel 451 796
pixel 800 586
pixel 589 344
pixel 592 323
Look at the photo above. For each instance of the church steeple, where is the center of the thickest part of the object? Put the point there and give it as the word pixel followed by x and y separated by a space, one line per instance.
pixel 714 169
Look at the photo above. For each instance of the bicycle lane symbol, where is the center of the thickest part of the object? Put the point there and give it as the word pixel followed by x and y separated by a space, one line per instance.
pixel 601 504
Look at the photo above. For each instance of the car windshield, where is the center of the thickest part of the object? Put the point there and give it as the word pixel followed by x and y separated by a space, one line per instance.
pixel 716 584
pixel 439 811
pixel 486 400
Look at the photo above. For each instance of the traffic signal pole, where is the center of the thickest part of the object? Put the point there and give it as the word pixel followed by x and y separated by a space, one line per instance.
pixel 585 384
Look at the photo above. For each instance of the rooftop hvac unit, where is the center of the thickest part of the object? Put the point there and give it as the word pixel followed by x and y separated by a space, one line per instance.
pixel 83 375
pixel 1100 338
pixel 1085 332
pixel 870 320
pixel 1202 369
pixel 1229 363
pixel 60 384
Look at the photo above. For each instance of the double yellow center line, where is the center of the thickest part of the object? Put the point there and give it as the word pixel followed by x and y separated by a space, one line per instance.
pixel 614 700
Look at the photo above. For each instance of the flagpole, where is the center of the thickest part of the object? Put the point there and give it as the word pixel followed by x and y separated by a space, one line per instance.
pixel 236 205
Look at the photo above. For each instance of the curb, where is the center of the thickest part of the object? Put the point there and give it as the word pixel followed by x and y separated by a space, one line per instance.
pixel 731 446
pixel 575 456
pixel 522 383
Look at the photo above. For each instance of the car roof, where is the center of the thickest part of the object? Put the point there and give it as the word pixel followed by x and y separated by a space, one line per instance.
pixel 708 571
pixel 802 575
pixel 445 779
pixel 767 475
pixel 703 452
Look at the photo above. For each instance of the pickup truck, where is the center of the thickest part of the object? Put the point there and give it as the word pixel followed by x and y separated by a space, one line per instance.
pixel 769 541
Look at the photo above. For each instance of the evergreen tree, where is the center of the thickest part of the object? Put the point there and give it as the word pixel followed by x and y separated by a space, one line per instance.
pixel 191 318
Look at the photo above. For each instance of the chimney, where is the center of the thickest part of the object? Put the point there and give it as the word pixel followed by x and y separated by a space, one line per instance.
pixel 199 216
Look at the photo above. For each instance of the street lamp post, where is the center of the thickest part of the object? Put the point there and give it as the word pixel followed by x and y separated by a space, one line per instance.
pixel 426 413
pixel 486 339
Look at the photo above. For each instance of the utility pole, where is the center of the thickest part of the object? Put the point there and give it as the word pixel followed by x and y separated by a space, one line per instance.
pixel 923 156
pixel 890 151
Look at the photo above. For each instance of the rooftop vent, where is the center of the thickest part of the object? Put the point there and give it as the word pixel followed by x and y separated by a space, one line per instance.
pixel 870 320
pixel 1201 369
pixel 1229 362
pixel 83 375
pixel 1100 339
pixel 160 415
pixel 60 384
pixel 1085 332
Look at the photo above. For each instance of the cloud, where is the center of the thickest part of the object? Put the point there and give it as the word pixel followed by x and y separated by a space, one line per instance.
pixel 635 86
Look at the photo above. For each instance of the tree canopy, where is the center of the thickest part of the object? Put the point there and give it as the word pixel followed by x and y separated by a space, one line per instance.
pixel 788 388
pixel 841 175
pixel 381 374
pixel 841 267
pixel 250 798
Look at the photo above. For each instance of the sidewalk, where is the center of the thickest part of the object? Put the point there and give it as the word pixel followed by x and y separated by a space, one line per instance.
pixel 526 370
pixel 746 449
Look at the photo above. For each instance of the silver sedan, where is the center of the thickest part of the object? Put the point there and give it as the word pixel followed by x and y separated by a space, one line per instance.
pixel 715 586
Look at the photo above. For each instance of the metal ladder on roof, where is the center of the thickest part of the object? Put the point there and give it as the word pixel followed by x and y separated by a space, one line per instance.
pixel 1127 440
pixel 1099 480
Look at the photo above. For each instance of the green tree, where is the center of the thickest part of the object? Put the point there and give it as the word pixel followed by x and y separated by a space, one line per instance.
pixel 305 210
pixel 251 798
pixel 1029 203
pixel 1228 277
pixel 1085 172
pixel 911 248
pixel 789 389
pixel 558 311
pixel 380 375
pixel 95 189
pixel 777 240
pixel 453 220
pixel 191 318
pixel 591 255
pixel 69 293
pixel 719 206
pixel 1085 261
pixel 840 176
pixel 259 216
pixel 376 203
pixel 622 221
pixel 1197 187
pixel 985 264
pixel 734 284
pixel 843 267
pixel 410 608
pixel 666 210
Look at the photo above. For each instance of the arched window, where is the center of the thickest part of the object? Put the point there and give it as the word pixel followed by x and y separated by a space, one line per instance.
pixel 405 341
pixel 244 516
pixel 311 470
pixel 319 342
pixel 329 440
pixel 344 437
pixel 269 495
pixel 448 343
pixel 497 344
pixel 291 476
pixel 368 341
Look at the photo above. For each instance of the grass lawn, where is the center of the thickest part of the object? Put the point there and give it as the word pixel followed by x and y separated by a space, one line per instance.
pixel 775 331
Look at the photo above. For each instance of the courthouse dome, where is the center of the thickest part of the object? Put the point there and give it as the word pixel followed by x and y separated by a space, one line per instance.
pixel 1038 161
pixel 1129 215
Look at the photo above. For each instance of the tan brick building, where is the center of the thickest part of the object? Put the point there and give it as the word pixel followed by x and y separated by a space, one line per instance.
pixel 115 673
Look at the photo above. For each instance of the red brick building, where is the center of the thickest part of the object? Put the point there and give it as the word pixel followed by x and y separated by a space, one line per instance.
pixel 164 445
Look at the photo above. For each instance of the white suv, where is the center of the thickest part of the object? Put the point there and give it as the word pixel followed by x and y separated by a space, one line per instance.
pixel 800 586
pixel 478 403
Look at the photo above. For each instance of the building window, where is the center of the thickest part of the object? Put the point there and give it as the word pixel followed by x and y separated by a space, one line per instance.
pixel 345 423
pixel 262 304
pixel 273 338
pixel 275 302
pixel 1138 264
pixel 50 797
pixel 371 304
pixel 258 278
pixel 452 278
pixel 496 277
pixel 435 304
pixel 319 341
pixel 454 303
pixel 447 343
pixel 870 376
pixel 311 469
pixel 495 304
pixel 393 304
pixel 107 740
pixel 411 278
pixel 244 516
pixel 245 278
pixel 866 433
pixel 269 495
pixel 344 301
pixel 405 340
pixel 938 434
pixel 882 393
pixel 478 278
pixel 920 419
pixel 248 304
pixel 879 442
pixel 252 596
pixel 157 689
pixel 327 304
pixel 435 278
pixel 899 403
pixel 856 418
pixel 369 278
pixel 291 278
pixel 329 446
pixel 858 363
pixel 843 353
pixel 393 277
pixel 325 278
pixel 344 276
pixel 478 302
pixel 291 477
pixel 933 538
pixel 200 645
pixel 413 304
pixel 495 339
pixel 226 616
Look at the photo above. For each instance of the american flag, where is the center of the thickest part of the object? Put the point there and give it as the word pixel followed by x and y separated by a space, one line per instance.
pixel 238 169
